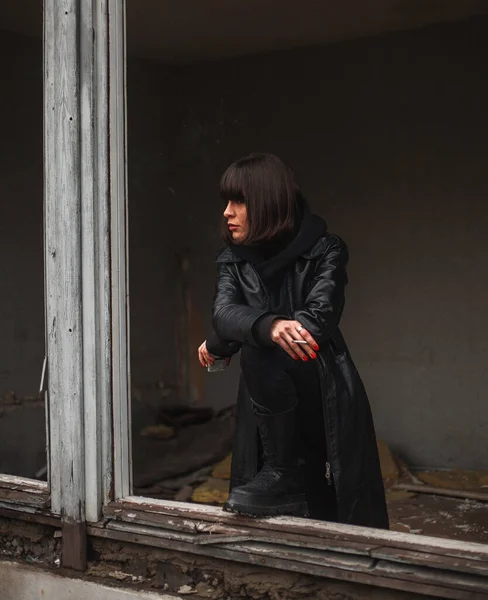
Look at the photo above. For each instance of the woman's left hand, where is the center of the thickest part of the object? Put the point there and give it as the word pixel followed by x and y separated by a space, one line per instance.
pixel 206 358
pixel 283 332
pixel 204 355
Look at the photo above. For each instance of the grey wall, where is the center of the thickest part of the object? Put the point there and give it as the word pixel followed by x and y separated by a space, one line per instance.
pixel 388 137
pixel 21 267
pixel 22 427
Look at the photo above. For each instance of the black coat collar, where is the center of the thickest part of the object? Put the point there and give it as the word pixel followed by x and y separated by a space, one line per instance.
pixel 228 256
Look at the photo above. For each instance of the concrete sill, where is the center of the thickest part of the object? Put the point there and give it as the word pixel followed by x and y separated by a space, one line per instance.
pixel 22 582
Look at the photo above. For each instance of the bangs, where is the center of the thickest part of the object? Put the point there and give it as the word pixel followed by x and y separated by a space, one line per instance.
pixel 233 183
pixel 268 189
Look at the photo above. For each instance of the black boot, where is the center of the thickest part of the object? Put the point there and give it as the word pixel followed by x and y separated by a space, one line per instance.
pixel 278 489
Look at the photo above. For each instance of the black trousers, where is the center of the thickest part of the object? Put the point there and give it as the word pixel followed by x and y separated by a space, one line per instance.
pixel 277 383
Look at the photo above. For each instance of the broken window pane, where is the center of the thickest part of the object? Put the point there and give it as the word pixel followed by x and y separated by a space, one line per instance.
pixel 22 414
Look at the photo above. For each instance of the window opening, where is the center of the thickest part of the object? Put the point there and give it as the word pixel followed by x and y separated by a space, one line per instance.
pixel 374 147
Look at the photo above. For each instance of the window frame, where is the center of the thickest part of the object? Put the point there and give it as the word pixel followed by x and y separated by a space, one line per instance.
pixel 23 493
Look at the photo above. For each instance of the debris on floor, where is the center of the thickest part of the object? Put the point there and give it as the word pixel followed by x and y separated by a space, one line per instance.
pixel 11 400
pixel 183 453
pixel 159 432
pixel 389 466
pixel 213 491
pixel 179 449
pixel 10 397
pixel 456 479
pixel 439 516
pixel 398 495
pixel 179 416
pixel 222 469
pixel 425 502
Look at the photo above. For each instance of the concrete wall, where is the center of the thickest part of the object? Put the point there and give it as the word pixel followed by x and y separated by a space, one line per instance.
pixel 21 267
pixel 22 427
pixel 388 137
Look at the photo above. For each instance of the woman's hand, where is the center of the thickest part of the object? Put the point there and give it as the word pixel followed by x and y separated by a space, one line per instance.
pixel 206 358
pixel 283 332
pixel 204 355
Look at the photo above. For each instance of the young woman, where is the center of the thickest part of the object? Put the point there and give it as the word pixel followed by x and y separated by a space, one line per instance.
pixel 305 441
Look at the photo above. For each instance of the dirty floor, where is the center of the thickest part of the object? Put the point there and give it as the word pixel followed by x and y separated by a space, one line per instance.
pixel 190 461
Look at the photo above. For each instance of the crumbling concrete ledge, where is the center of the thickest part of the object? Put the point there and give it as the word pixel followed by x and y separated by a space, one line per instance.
pixel 199 577
pixel 29 563
pixel 30 542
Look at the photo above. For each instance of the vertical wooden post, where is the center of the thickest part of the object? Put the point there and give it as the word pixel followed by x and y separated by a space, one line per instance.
pixel 63 270
pixel 77 265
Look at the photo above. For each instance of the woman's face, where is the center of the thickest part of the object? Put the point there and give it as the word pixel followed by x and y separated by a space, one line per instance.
pixel 236 215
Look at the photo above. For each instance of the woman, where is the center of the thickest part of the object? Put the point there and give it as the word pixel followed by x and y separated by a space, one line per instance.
pixel 305 442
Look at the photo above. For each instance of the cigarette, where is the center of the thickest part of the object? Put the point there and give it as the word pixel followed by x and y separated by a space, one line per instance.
pixel 299 341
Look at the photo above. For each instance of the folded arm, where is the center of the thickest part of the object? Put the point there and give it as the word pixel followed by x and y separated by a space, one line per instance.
pixel 322 308
pixel 233 319
pixel 220 347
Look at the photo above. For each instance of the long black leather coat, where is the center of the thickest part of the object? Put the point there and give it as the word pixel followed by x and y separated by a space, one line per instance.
pixel 315 288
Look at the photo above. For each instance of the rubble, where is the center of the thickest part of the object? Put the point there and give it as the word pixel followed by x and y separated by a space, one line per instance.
pixel 160 432
pixel 389 467
pixel 33 543
pixel 398 495
pixel 222 469
pixel 213 491
pixel 185 494
pixel 171 455
pixel 10 398
pixel 185 455
pixel 179 416
pixel 455 479
pixel 186 589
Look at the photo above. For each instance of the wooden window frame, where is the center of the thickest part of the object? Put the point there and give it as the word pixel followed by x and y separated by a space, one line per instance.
pixel 22 493
pixel 87 322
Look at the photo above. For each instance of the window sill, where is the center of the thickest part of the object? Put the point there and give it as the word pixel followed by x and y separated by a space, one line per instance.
pixel 21 492
pixel 441 567
pixel 26 500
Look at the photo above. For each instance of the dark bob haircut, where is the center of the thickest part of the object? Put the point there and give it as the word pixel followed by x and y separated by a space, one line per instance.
pixel 270 191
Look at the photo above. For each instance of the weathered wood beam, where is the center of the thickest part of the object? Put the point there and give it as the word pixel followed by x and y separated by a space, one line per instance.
pixel 63 266
pixel 63 261
pixel 438 491
pixel 74 546
pixel 39 516
pixel 25 496
pixel 77 265
pixel 203 518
